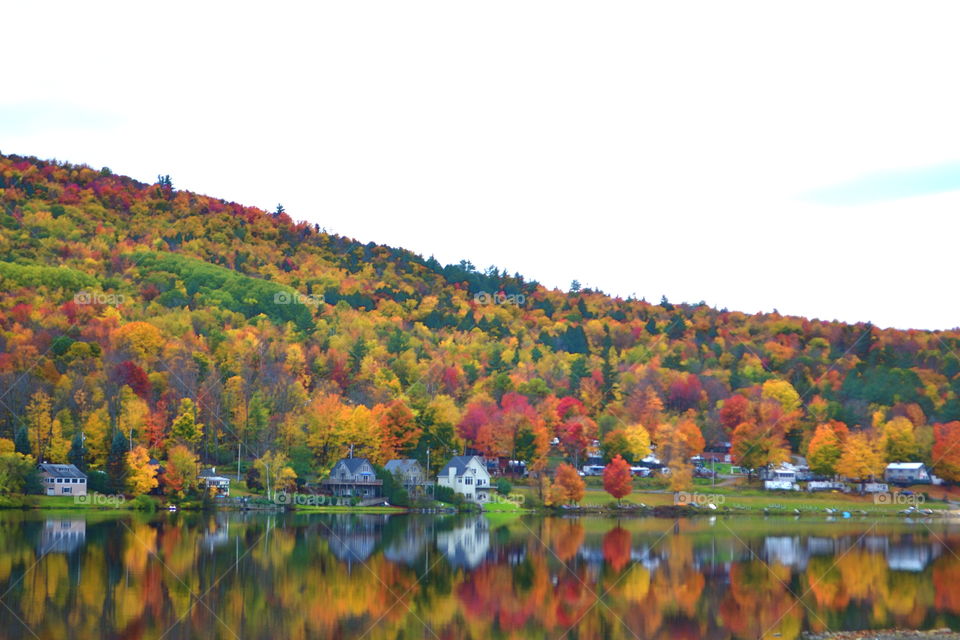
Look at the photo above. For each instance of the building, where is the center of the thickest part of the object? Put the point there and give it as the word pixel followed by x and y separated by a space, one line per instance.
pixel 353 477
pixel 63 480
pixel 411 473
pixel 783 478
pixel 209 478
pixel 907 473
pixel 467 475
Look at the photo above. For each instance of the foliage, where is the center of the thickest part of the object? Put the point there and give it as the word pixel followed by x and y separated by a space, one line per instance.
pixel 504 487
pixel 568 486
pixel 141 475
pixel 617 479
pixel 181 319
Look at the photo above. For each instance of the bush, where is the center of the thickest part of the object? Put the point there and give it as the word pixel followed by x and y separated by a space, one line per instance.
pixel 447 494
pixel 504 487
pixel 145 503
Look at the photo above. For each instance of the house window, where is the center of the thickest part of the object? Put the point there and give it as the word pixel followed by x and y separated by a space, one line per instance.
pixel 469 481
pixel 67 490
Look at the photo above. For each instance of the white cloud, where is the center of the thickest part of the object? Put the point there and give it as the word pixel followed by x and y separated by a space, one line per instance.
pixel 638 148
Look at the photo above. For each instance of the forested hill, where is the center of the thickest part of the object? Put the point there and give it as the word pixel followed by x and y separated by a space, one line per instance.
pixel 126 306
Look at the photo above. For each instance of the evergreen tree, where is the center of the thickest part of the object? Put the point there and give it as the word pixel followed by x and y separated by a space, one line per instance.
pixel 117 462
pixel 78 453
pixel 21 441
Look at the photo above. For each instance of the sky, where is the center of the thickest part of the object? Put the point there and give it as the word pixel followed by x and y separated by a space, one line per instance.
pixel 801 157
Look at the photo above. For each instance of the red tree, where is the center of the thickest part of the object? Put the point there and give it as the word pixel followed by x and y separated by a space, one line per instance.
pixel 616 478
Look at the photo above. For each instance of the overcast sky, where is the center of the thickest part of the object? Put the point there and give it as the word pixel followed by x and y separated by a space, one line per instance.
pixel 749 155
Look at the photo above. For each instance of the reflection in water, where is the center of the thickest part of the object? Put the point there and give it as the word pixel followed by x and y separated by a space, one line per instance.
pixel 62 536
pixel 243 575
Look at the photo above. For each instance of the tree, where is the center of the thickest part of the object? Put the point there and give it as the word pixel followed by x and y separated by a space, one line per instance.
pixel 21 441
pixel 39 424
pixel 734 412
pixel 946 450
pixel 754 446
pixel 16 470
pixel 824 451
pixel 117 462
pixel 275 472
pixel 860 459
pixel 185 427
pixel 617 480
pixel 78 452
pixel 141 475
pixel 569 485
pixel 399 430
pixel 180 472
pixel 899 442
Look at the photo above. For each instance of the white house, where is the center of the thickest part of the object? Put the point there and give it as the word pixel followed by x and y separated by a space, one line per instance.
pixel 907 473
pixel 411 474
pixel 211 479
pixel 783 478
pixel 466 475
pixel 63 480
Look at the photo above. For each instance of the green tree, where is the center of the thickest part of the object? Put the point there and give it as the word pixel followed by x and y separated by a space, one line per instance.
pixel 117 462
pixel 185 426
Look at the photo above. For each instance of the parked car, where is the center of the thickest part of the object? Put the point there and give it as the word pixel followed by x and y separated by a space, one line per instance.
pixel 641 472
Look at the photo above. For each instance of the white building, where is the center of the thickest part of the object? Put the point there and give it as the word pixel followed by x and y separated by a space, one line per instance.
pixel 468 476
pixel 907 473
pixel 63 480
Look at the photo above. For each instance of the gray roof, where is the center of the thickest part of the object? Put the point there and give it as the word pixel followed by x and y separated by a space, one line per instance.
pixel 212 473
pixel 403 465
pixel 353 464
pixel 62 470
pixel 459 464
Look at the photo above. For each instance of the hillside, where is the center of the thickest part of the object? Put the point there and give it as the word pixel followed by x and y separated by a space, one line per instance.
pixel 129 306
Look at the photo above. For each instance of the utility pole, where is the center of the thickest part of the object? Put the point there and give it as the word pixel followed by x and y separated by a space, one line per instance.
pixel 238 459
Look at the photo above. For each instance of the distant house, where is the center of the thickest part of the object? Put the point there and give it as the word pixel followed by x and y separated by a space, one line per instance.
pixel 353 477
pixel 782 478
pixel 411 473
pixel 209 478
pixel 63 480
pixel 466 475
pixel 907 473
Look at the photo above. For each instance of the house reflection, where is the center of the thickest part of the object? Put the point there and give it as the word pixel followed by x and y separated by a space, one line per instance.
pixel 62 535
pixel 466 545
pixel 353 538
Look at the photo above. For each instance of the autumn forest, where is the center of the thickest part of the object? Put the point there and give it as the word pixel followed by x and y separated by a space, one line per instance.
pixel 140 315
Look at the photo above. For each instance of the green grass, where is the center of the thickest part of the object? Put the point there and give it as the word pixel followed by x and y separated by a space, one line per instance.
pixel 93 501
pixel 752 500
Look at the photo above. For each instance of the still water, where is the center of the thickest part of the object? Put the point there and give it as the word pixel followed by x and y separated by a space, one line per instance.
pixel 253 576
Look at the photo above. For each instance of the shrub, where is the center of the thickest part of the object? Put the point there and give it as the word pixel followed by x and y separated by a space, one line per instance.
pixel 447 494
pixel 504 487
pixel 145 503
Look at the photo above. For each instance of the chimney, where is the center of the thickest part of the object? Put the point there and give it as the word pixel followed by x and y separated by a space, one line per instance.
pixel 213 470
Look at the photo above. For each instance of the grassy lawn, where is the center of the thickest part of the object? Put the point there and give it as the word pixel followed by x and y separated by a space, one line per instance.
pixel 92 500
pixel 749 499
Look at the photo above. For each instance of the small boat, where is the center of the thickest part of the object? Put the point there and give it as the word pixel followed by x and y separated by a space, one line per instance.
pixel 172 507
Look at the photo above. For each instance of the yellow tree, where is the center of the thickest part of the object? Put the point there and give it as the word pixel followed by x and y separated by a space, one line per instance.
pixel 275 472
pixel 141 475
pixel 899 442
pixel 824 451
pixel 860 459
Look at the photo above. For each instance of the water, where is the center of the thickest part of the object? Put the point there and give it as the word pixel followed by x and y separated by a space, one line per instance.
pixel 252 576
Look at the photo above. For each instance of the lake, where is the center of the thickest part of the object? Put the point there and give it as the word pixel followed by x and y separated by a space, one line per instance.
pixel 249 576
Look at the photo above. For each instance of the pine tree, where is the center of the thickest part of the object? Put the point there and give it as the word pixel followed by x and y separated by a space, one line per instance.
pixel 21 441
pixel 78 453
pixel 117 462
